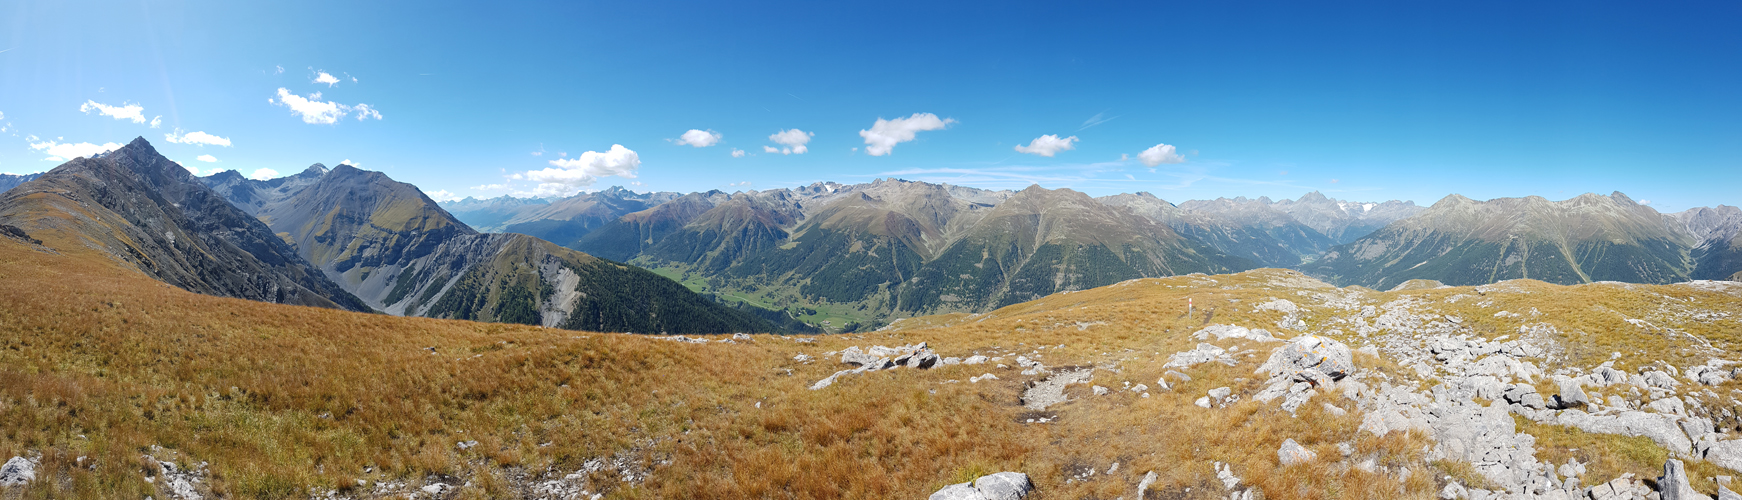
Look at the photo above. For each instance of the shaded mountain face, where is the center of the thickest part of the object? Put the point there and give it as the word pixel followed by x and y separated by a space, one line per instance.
pixel 487 215
pixel 9 181
pixel 897 248
pixel 1717 237
pixel 401 253
pixel 1460 241
pixel 148 212
pixel 565 221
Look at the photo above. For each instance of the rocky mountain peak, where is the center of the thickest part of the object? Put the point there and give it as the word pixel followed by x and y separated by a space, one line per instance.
pixel 317 169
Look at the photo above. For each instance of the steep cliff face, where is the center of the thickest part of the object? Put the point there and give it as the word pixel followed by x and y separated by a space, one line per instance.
pixel 150 213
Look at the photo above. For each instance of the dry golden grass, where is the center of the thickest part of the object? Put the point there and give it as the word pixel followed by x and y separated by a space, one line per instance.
pixel 99 361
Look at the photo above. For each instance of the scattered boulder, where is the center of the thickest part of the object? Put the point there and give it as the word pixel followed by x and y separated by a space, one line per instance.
pixel 1292 453
pixel 1099 391
pixel 1204 353
pixel 17 472
pixel 1000 486
pixel 976 380
pixel 1674 484
pixel 974 360
pixel 1221 332
pixel 1313 353
pixel 1571 396
pixel 1726 454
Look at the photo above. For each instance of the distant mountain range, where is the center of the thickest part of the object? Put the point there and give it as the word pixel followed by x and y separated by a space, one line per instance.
pixel 1460 241
pixel 841 257
pixel 856 255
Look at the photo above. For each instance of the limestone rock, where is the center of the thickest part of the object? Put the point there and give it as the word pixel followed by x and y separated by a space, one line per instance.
pixel 1099 391
pixel 1572 396
pixel 1726 454
pixel 1726 494
pixel 974 360
pixel 1293 453
pixel 1204 353
pixel 1320 354
pixel 17 472
pixel 961 491
pixel 1674 484
pixel 1221 332
pixel 1004 486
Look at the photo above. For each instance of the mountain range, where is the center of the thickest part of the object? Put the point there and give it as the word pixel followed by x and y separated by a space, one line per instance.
pixel 344 238
pixel 843 257
pixel 1459 241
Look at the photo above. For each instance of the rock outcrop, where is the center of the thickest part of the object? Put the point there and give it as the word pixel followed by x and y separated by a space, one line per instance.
pixel 1000 486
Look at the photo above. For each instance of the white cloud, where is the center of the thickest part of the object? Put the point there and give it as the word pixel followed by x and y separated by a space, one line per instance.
pixel 442 195
pixel 770 149
pixel 191 170
pixel 353 164
pixel 196 138
pixel 279 70
pixel 738 153
pixel 885 134
pixel 1161 153
pixel 156 121
pixel 207 158
pixel 699 138
pixel 125 111
pixel 315 111
pixel 328 79
pixel 67 151
pixel 572 174
pixel 263 174
pixel 1047 145
pixel 490 187
pixel 793 139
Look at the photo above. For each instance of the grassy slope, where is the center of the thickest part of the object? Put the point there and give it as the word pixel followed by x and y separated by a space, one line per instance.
pixel 102 362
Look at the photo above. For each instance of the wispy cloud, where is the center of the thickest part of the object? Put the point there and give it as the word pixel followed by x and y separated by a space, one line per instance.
pixel 1098 119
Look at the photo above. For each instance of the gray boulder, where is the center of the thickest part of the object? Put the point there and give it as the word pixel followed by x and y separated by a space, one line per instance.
pixel 1674 484
pixel 1311 352
pixel 1572 396
pixel 1726 494
pixel 853 356
pixel 961 491
pixel 17 472
pixel 1000 486
pixel 1293 453
pixel 1726 454
pixel 1004 485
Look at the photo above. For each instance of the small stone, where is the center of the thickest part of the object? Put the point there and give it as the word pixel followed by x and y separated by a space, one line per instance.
pixel 17 472
pixel 1453 491
pixel 974 360
pixel 1220 392
pixel 1099 391
pixel 1143 486
pixel 1292 453
pixel 1335 410
pixel 1203 401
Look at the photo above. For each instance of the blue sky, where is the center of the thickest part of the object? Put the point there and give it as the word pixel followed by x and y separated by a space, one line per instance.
pixel 1364 101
